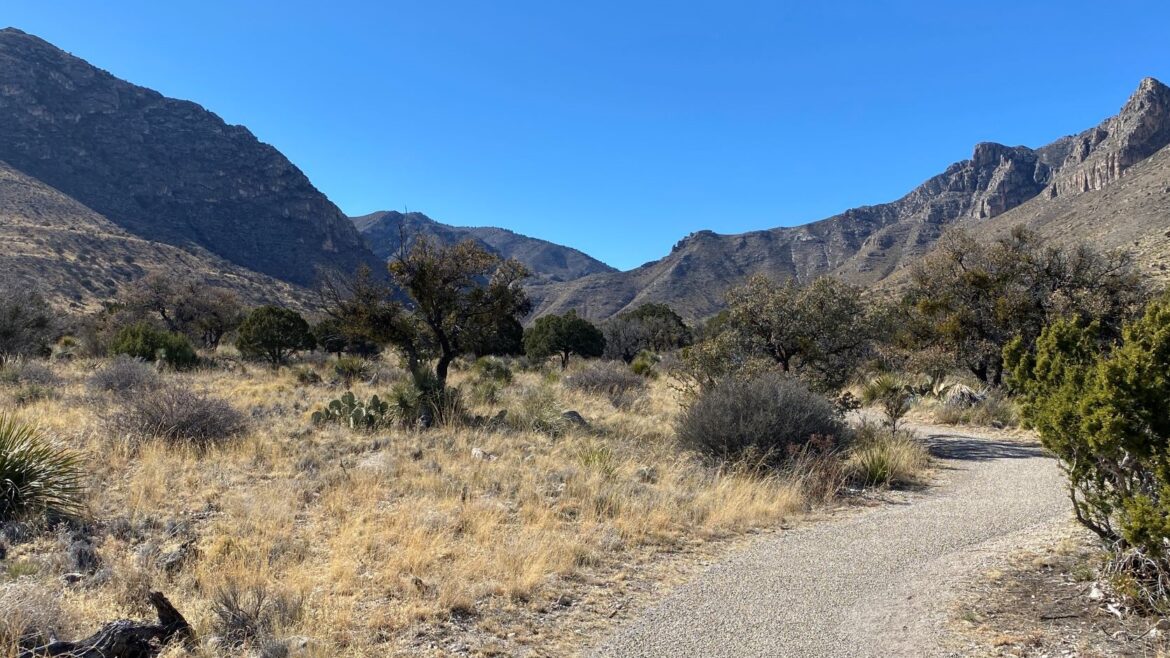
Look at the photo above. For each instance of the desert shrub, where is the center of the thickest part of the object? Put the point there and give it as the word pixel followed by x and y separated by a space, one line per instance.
pixel 350 368
pixel 30 615
pixel 251 615
pixel 273 334
pixel 124 374
pixel 178 416
pixel 306 376
pixel 880 457
pixel 492 369
pixel 645 365
pixel 816 468
pixel 36 478
pixel 768 418
pixel 32 393
pixel 618 384
pixel 486 392
pixel 1107 418
pixel 67 348
pixel 892 393
pixel 143 341
pixel 24 371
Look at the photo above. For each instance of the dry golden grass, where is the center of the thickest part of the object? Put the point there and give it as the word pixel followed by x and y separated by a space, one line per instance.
pixel 380 542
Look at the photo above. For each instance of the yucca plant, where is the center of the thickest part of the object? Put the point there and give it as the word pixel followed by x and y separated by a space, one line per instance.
pixel 36 478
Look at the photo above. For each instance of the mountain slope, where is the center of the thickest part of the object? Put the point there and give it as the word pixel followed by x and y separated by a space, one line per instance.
pixel 79 258
pixel 867 245
pixel 549 262
pixel 164 170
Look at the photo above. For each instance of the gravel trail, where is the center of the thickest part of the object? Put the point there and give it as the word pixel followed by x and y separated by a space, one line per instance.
pixel 870 584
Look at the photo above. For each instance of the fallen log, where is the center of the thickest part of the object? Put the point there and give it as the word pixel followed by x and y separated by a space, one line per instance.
pixel 125 638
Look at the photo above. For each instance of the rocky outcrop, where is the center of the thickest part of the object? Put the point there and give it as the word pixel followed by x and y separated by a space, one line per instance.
pixel 162 169
pixel 1102 154
pixel 548 262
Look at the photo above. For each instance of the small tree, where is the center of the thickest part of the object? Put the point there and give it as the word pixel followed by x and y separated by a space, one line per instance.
pixel 26 324
pixel 820 331
pixel 970 297
pixel 144 341
pixel 457 296
pixel 665 329
pixel 625 337
pixel 892 393
pixel 202 312
pixel 652 327
pixel 563 335
pixel 273 334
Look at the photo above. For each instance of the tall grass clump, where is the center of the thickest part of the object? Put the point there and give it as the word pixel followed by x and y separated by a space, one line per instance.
pixel 179 416
pixel 769 418
pixel 36 478
pixel 881 457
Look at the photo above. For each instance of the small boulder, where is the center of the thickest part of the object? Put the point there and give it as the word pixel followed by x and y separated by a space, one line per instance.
pixel 575 419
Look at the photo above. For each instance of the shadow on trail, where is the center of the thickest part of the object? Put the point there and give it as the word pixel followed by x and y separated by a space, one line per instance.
pixel 970 448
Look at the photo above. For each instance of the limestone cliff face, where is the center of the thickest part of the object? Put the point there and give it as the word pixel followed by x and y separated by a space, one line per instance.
pixel 867 245
pixel 1102 154
pixel 164 170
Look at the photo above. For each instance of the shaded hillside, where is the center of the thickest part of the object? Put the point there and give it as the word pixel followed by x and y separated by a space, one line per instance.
pixel 868 244
pixel 548 261
pixel 79 258
pixel 164 170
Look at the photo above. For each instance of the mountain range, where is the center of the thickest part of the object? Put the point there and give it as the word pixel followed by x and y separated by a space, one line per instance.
pixel 385 232
pixel 102 181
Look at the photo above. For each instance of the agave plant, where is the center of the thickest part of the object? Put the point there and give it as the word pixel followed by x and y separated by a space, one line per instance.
pixel 36 478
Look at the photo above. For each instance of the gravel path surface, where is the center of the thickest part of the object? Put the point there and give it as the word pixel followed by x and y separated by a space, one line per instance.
pixel 871 584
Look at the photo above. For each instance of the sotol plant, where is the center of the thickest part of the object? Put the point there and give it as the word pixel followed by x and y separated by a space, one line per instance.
pixel 36 479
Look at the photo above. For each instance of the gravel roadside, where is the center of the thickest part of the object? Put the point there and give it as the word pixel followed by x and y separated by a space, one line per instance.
pixel 872 584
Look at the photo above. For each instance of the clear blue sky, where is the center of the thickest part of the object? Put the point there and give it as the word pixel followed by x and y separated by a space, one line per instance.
pixel 619 127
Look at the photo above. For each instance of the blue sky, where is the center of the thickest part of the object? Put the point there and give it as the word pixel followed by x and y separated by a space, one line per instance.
pixel 620 127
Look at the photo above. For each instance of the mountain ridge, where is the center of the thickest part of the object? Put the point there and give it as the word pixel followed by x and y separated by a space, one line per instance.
pixel 164 169
pixel 868 244
pixel 549 261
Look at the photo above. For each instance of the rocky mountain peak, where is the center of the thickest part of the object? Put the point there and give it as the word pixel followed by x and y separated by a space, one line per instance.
pixel 1101 154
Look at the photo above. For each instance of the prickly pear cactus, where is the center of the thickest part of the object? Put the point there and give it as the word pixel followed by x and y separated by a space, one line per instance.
pixel 354 413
